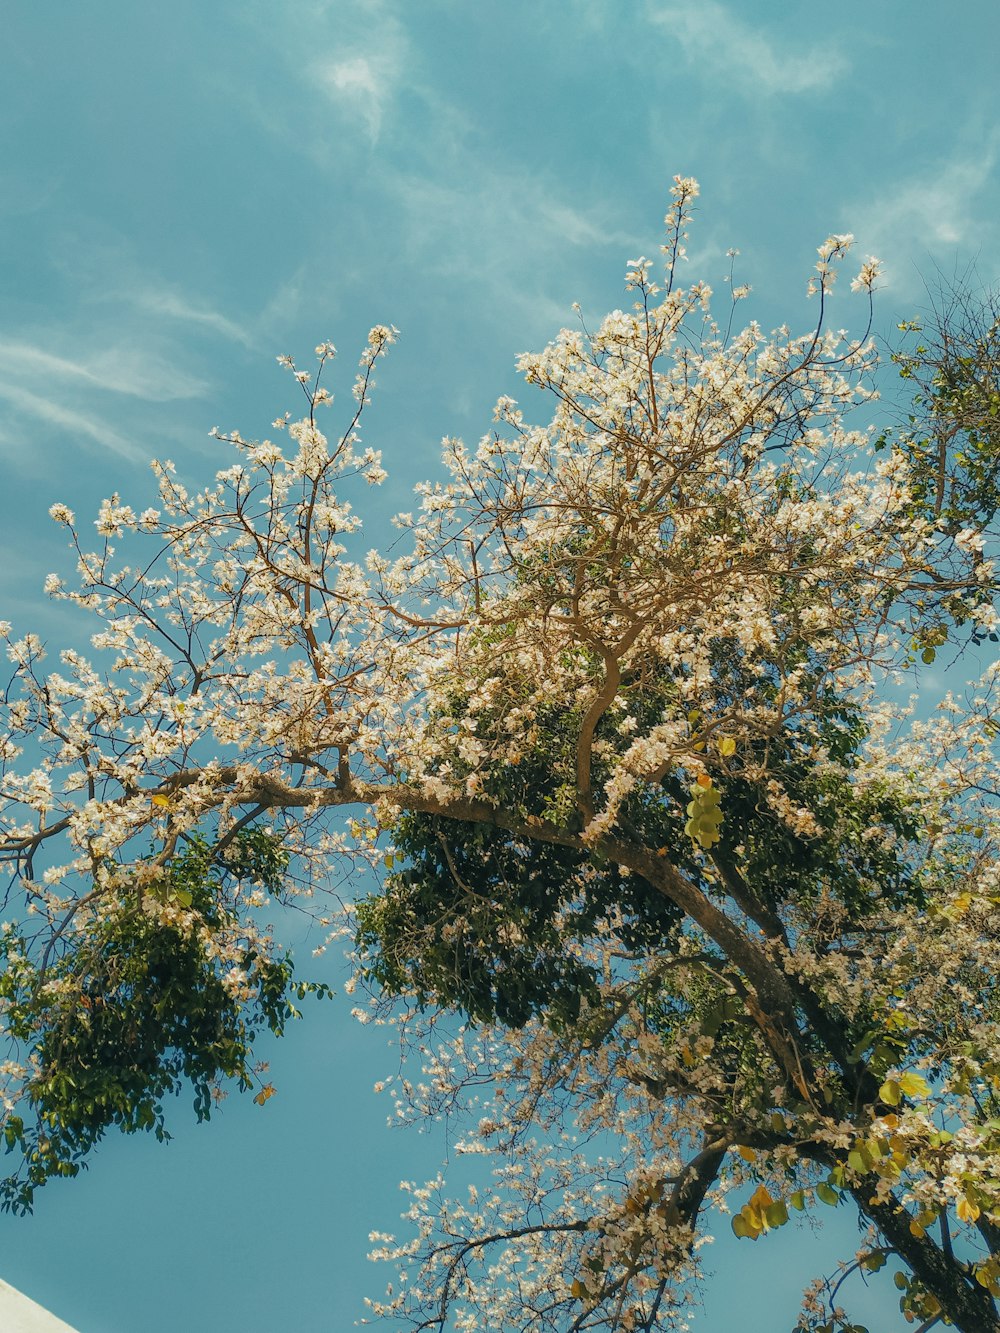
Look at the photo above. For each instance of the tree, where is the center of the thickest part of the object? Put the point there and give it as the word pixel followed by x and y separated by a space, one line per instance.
pixel 954 365
pixel 673 894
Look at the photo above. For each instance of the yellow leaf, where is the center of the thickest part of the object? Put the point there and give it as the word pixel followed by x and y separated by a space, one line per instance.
pixel 747 1154
pixel 912 1085
pixel 703 780
pixel 165 801
pixel 727 746
pixel 267 1091
pixel 749 1223
pixel 967 1210
pixel 760 1199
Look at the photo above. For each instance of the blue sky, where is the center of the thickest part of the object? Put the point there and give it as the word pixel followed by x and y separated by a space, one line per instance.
pixel 188 190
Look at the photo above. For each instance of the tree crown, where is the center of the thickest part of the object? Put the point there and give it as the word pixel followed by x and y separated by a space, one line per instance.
pixel 614 730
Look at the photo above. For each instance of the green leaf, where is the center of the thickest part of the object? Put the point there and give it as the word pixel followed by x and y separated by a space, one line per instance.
pixel 860 1047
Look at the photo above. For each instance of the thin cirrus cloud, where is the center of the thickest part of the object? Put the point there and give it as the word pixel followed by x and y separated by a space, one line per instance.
pixel 359 58
pixel 949 208
pixel 360 87
pixel 518 233
pixel 53 399
pixel 162 302
pixel 713 36
pixel 32 411
pixel 116 369
pixel 365 69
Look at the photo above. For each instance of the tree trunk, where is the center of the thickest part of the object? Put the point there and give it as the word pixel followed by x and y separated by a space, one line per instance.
pixel 969 1306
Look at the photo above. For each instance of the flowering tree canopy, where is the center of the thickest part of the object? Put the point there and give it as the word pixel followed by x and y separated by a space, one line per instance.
pixel 716 920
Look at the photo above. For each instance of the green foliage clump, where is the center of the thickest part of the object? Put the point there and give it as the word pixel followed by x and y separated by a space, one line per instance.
pixel 475 918
pixel 134 1006
pixel 486 923
pixel 953 444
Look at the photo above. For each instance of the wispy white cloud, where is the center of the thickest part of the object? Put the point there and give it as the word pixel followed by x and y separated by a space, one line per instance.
pixel 56 397
pixel 346 65
pixel 117 368
pixel 516 232
pixel 364 67
pixel 162 301
pixel 71 422
pixel 130 302
pixel 949 209
pixel 572 225
pixel 358 86
pixel 282 307
pixel 716 38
